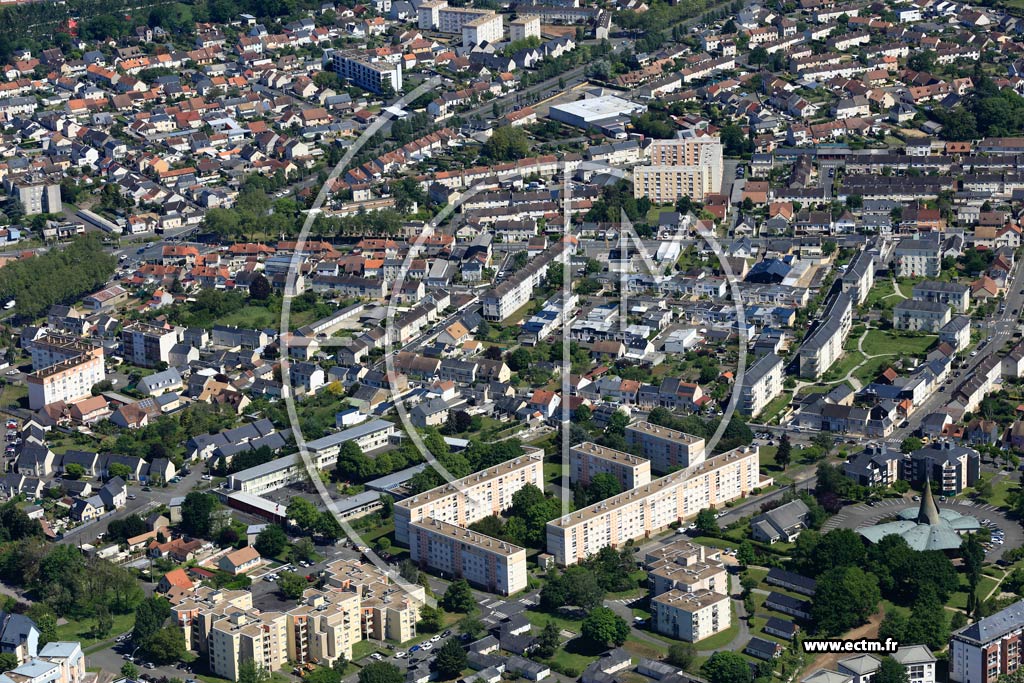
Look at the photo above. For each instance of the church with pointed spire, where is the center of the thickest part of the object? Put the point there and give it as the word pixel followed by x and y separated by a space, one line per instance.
pixel 925 528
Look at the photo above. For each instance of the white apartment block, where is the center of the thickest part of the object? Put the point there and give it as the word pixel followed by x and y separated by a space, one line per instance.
pixel 859 278
pixel 471 498
pixel 512 294
pixel 588 459
pixel 146 345
pixel 239 637
pixel 523 27
pixel 762 382
pixel 68 380
pixel 452 19
pixel 51 349
pixel 492 564
pixel 690 616
pixel 667 449
pixel 651 508
pixel 691 168
pixel 373 76
pixel 428 14
pixel 824 346
pixel 919 257
pixel 920 316
pixel 484 29
pixel 666 576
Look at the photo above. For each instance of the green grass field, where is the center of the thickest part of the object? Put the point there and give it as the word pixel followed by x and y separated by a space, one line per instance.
pixel 842 367
pixel 888 341
pixel 81 630
pixel 867 373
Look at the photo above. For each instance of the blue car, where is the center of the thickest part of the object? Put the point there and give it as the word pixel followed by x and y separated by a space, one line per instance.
pixel 414 648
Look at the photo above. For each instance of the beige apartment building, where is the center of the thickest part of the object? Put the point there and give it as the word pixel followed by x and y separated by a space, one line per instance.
pixel 667 449
pixel 668 576
pixel 690 616
pixel 471 498
pixel 358 602
pixel 525 26
pixel 588 459
pixel 146 345
pixel 488 28
pixel 490 563
pixel 68 380
pixel 653 507
pixel 690 168
pixel 51 349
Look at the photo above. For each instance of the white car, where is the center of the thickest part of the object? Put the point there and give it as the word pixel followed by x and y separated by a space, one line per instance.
pixel 376 656
pixel 400 655
pixel 427 646
pixel 435 638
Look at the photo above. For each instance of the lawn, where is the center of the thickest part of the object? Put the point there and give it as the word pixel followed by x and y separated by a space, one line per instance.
pixel 767 458
pixel 870 370
pixel 842 367
pixel 540 620
pixel 889 341
pixel 80 630
pixel 1000 491
pixel 879 293
pixel 776 406
pixel 363 648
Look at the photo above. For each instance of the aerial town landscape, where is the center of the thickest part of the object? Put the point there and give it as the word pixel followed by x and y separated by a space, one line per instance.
pixel 409 341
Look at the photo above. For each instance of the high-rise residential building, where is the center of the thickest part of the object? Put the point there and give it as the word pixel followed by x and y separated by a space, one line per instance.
pixel 523 27
pixel 490 563
pixel 680 168
pixel 356 68
pixel 824 346
pixel 51 349
pixel 471 498
pixel 690 616
pixel 69 380
pixel 428 13
pixel 651 508
pixel 37 196
pixel 667 449
pixel 487 28
pixel 588 459
pixel 147 345
pixel 762 382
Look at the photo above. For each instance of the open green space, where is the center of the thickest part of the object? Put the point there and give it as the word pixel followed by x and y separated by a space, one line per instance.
pixel 776 407
pixel 82 630
pixel 867 373
pixel 890 341
pixel 843 366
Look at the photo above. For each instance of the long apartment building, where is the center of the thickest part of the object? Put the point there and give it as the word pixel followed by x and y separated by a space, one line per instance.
pixel 509 296
pixel 357 68
pixel 653 507
pixel 667 449
pixel 690 168
pixel 471 498
pixel 147 345
pixel 358 602
pixel 51 349
pixel 824 346
pixel 988 648
pixel 762 382
pixel 588 459
pixel 490 563
pixel 69 380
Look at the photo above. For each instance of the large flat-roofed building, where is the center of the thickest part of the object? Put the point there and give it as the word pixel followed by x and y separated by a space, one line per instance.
pixel 824 346
pixel 680 168
pixel 369 436
pixel 239 637
pixel 588 459
pixel 920 315
pixel 762 382
pixel 357 69
pixel 37 196
pixel 690 616
pixel 523 27
pixel 147 345
pixel 988 648
pixel 510 295
pixel 51 349
pixel 488 28
pixel 666 576
pixel 651 508
pixel 608 114
pixel 667 449
pixel 68 381
pixel 492 564
pixel 452 19
pixel 428 13
pixel 471 498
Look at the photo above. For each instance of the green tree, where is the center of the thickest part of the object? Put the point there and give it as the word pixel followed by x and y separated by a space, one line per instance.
pixel 165 646
pixel 197 514
pixel 911 444
pixel 548 640
pixel 726 667
pixel 431 619
pixel 706 522
pixel 271 542
pixel 891 671
pixel 129 670
pixel 259 288
pixel 785 452
pixel 459 598
pixel 303 512
pixel 745 554
pixel 380 672
pixel 507 143
pixel 601 487
pixel 471 626
pixel 602 627
pixel 73 471
pixel 845 597
pixel 291 585
pixel 681 655
pixel 450 660
pixel 250 672
pixel 150 616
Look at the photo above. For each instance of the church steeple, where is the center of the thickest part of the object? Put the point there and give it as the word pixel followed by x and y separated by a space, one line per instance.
pixel 929 511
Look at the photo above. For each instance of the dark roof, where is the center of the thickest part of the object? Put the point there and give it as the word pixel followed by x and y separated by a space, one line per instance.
pixel 792 578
